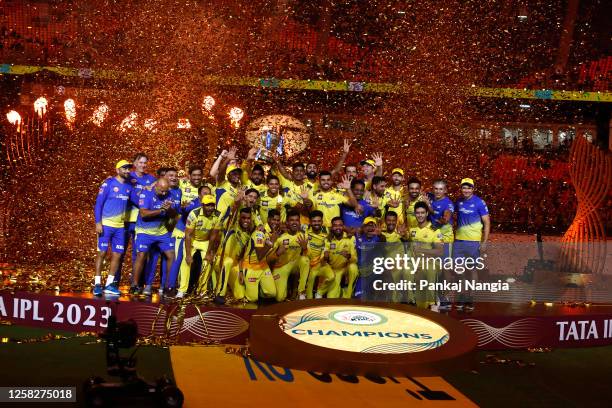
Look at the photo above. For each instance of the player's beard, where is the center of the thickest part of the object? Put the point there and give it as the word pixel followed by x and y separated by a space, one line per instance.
pixel 311 175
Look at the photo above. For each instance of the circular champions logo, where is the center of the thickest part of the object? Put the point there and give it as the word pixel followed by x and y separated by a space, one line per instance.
pixel 357 317
pixel 364 329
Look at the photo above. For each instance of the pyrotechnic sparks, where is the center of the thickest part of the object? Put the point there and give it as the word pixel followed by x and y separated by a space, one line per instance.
pixel 235 115
pixel 14 118
pixel 70 111
pixel 183 124
pixel 207 105
pixel 129 122
pixel 100 114
pixel 150 125
pixel 40 106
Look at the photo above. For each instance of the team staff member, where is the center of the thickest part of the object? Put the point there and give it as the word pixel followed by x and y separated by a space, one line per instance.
pixel 231 252
pixel 289 256
pixel 272 199
pixel 366 243
pixel 342 260
pixel 328 200
pixel 156 208
pixel 139 180
pixel 170 174
pixel 318 254
pixel 201 235
pixel 425 243
pixel 472 235
pixel 255 276
pixel 111 213
pixel 394 195
pixel 353 217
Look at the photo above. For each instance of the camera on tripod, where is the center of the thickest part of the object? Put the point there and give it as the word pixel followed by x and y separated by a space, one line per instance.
pixel 131 389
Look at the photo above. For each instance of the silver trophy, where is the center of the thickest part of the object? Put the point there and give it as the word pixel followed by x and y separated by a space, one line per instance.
pixel 271 141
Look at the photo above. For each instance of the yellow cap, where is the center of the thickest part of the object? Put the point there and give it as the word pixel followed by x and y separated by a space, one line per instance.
pixel 398 170
pixel 467 181
pixel 369 162
pixel 369 220
pixel 232 168
pixel 122 163
pixel 208 199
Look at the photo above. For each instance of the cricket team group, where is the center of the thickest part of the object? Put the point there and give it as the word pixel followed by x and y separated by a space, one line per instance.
pixel 259 230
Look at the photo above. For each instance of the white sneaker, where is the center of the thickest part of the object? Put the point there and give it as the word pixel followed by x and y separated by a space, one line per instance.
pixel 180 294
pixel 318 295
pixel 302 296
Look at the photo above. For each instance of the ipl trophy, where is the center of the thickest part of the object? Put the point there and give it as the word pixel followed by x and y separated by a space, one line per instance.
pixel 271 141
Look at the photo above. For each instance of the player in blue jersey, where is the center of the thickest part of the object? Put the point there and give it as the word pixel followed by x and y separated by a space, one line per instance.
pixel 472 235
pixel 156 208
pixel 170 174
pixel 111 212
pixel 353 217
pixel 139 179
pixel 441 218
pixel 367 245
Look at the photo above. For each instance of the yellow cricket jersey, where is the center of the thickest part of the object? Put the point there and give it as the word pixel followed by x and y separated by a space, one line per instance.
pixel 201 224
pixel 337 247
pixel 318 244
pixel 236 241
pixel 426 235
pixel 257 241
pixel 279 202
pixel 393 194
pixel 328 202
pixel 391 236
pixel 293 252
pixel 188 192
pixel 226 195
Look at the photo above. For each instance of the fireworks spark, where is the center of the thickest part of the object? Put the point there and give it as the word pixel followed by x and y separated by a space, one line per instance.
pixel 70 111
pixel 129 122
pixel 183 124
pixel 207 105
pixel 151 125
pixel 235 115
pixel 100 114
pixel 40 106
pixel 14 118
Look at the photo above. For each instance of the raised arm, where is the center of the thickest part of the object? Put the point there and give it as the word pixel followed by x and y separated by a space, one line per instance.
pixel 345 152
pixel 214 170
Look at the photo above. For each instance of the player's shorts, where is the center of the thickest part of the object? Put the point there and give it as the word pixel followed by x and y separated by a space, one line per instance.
pixel 116 237
pixel 466 249
pixel 144 242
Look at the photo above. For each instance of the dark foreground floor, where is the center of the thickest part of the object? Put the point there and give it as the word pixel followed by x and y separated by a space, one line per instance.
pixel 562 377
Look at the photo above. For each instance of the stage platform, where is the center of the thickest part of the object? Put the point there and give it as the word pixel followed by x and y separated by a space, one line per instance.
pixel 497 325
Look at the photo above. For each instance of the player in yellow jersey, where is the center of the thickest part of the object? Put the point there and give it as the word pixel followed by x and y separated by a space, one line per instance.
pixel 370 168
pixel 342 260
pixel 289 256
pixel 328 200
pixel 296 187
pixel 228 183
pixel 395 195
pixel 415 195
pixel 253 175
pixel 321 275
pixel 425 243
pixel 396 235
pixel 201 236
pixel 375 197
pixel 273 199
pixel 254 276
pixel 230 254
